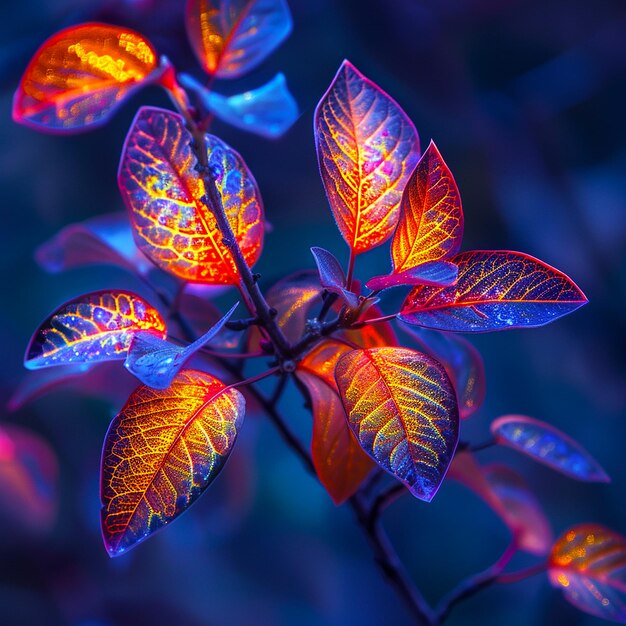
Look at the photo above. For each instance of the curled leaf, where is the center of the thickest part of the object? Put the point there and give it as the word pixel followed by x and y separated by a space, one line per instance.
pixel 402 409
pixel 366 148
pixel 156 361
pixel 81 75
pixel 231 37
pixel 548 445
pixel 161 452
pixel 588 564
pixel 269 110
pixel 97 326
pixel 332 276
pixel 164 195
pixel 496 290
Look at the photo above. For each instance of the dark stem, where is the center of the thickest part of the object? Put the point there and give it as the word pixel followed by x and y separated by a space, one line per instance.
pixel 515 577
pixel 384 499
pixel 350 272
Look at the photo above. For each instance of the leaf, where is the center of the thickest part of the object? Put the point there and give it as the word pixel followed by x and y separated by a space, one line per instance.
pixel 28 479
pixel 269 110
pixel 366 148
pixel 509 497
pixel 431 217
pixel 520 510
pixel 496 290
pixel 97 326
pixel 161 452
pixel 548 445
pixel 163 193
pixel 156 361
pixel 463 364
pixel 588 564
pixel 402 408
pixel 434 273
pixel 339 461
pixel 102 239
pixel 81 75
pixel 231 37
pixel 332 276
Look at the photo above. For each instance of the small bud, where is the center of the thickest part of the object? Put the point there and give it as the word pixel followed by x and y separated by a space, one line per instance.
pixel 288 366
pixel 273 312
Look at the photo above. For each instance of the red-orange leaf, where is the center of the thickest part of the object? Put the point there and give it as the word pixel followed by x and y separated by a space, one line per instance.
pixel 367 148
pixel 402 408
pixel 163 192
pixel 161 452
pixel 231 37
pixel 80 76
pixel 588 563
pixel 431 218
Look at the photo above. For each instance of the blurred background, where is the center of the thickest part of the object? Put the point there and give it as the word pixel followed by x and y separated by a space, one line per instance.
pixel 525 100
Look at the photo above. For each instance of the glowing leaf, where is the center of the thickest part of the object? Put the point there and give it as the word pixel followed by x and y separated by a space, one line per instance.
pixel 332 276
pixel 588 563
pixel 97 326
pixel 434 273
pixel 463 364
pixel 161 452
pixel 269 110
pixel 549 446
pixel 231 37
pixel 519 509
pixel 367 148
pixel 81 75
pixel 402 408
pixel 509 497
pixel 431 218
pixel 102 239
pixel 163 192
pixel 340 463
pixel 496 290
pixel 28 479
pixel 156 361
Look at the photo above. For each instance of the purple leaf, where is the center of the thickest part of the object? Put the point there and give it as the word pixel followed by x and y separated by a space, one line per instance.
pixel 156 361
pixel 546 444
pixel 332 276
pixel 269 110
pixel 433 273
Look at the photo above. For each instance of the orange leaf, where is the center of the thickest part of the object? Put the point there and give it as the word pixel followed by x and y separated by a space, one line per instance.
pixel 367 148
pixel 81 75
pixel 163 192
pixel 588 563
pixel 402 408
pixel 162 451
pixel 431 217
pixel 231 37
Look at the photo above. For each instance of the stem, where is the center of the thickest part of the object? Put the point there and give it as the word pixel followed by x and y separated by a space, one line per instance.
pixel 374 320
pixel 474 584
pixel 255 379
pixel 350 272
pixel 384 499
pixel 514 577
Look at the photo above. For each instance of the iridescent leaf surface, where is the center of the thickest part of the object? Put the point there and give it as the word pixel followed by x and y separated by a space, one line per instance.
pixel 80 76
pixel 434 273
pixel 588 564
pixel 462 361
pixel 163 191
pixel 339 461
pixel 231 37
pixel 402 408
pixel 269 110
pixel 156 361
pixel 161 452
pixel 548 445
pixel 431 218
pixel 496 290
pixel 97 326
pixel 103 239
pixel 520 510
pixel 366 148
pixel 28 479
pixel 332 276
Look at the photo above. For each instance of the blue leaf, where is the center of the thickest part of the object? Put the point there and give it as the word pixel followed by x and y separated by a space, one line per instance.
pixel 155 362
pixel 332 276
pixel 268 111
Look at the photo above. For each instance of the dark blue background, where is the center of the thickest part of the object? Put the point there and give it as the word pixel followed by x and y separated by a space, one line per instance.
pixel 525 100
